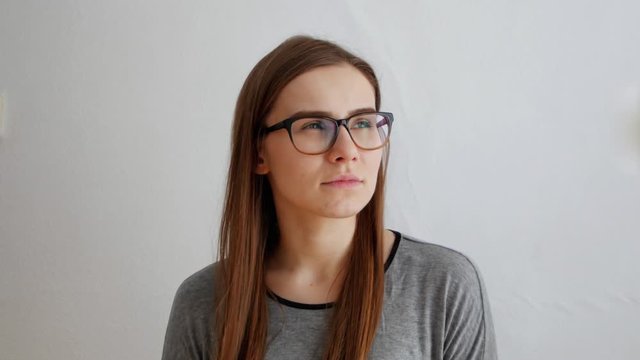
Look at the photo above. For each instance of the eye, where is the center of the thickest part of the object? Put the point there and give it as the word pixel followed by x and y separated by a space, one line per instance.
pixel 361 123
pixel 313 125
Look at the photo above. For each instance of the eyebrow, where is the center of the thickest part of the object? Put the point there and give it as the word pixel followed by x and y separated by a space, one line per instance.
pixel 312 113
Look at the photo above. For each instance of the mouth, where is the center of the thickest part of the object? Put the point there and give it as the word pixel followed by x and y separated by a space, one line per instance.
pixel 343 183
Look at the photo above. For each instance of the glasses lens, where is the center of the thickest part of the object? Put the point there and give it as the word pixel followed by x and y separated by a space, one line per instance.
pixel 370 131
pixel 312 135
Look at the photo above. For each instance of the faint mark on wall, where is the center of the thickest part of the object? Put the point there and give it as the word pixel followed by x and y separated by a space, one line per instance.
pixel 627 130
pixel 3 115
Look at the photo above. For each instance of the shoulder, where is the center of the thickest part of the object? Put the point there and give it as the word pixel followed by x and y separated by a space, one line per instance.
pixel 199 281
pixel 432 272
pixel 187 335
pixel 196 291
pixel 448 284
pixel 193 302
pixel 424 258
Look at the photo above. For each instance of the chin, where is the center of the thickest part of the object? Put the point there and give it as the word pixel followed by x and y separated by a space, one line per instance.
pixel 342 211
pixel 341 215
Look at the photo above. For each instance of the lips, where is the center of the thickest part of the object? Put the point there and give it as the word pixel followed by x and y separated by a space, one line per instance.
pixel 344 179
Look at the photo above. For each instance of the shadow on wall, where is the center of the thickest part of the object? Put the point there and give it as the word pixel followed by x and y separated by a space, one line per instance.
pixel 628 132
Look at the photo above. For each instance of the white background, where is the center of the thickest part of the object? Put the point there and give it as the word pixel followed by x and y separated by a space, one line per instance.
pixel 517 142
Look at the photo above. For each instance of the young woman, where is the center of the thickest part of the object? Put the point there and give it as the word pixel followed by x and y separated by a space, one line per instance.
pixel 306 269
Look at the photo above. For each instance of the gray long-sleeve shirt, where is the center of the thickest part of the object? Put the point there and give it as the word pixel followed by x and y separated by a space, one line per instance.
pixel 435 307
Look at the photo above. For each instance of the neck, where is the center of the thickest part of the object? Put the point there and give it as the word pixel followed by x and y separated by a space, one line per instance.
pixel 312 246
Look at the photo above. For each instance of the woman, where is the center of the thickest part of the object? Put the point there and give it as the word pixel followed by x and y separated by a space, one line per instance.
pixel 307 269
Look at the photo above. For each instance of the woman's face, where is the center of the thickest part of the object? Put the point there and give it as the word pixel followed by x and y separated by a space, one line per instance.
pixel 300 182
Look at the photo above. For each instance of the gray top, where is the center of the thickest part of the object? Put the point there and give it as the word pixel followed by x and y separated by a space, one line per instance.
pixel 435 307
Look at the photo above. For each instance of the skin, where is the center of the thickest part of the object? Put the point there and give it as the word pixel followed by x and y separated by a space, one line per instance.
pixel 317 221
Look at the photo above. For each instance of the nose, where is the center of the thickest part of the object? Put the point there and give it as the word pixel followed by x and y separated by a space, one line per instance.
pixel 344 149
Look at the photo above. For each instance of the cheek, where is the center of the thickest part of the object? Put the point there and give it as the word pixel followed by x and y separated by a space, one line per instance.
pixel 290 172
pixel 373 163
pixel 287 163
pixel 279 155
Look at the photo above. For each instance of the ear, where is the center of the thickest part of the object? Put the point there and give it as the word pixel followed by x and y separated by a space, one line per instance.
pixel 261 168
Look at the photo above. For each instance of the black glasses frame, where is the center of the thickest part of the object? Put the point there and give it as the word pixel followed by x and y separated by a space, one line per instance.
pixel 286 124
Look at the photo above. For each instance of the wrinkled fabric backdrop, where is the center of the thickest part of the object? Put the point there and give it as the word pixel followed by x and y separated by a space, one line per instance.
pixel 517 142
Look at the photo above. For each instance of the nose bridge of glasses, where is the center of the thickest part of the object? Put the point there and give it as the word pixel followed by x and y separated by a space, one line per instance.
pixel 343 123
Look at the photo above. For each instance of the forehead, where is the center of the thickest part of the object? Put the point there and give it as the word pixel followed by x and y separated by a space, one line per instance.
pixel 337 89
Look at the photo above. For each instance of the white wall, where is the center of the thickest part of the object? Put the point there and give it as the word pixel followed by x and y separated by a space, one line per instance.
pixel 517 142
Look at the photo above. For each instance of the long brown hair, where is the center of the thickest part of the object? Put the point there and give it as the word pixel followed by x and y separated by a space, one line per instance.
pixel 249 230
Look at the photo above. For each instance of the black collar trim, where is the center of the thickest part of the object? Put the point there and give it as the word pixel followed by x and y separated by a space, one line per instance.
pixel 298 305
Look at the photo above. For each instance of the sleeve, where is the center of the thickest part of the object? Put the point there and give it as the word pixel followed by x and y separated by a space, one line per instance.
pixel 469 332
pixel 187 334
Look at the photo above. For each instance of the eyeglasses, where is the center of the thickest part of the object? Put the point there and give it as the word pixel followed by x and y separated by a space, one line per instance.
pixel 315 135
